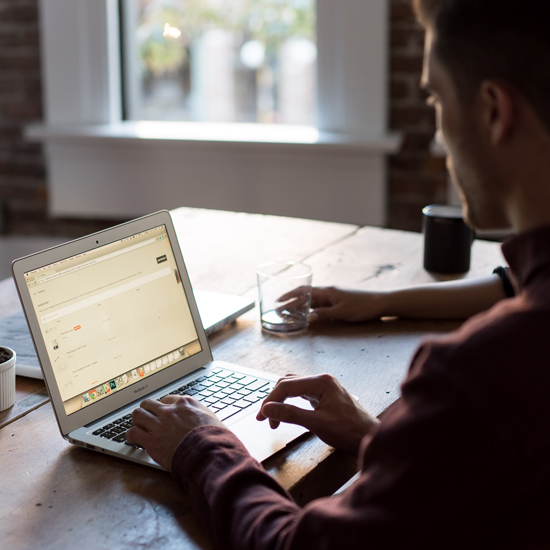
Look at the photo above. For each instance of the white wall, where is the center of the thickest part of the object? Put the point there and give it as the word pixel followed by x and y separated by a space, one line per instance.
pixel 114 176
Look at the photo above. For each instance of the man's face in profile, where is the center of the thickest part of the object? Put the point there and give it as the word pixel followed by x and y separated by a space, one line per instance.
pixel 460 131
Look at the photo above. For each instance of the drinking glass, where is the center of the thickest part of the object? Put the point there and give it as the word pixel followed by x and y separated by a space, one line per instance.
pixel 284 290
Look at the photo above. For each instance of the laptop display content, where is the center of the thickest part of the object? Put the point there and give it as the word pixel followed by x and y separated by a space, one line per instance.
pixel 112 317
pixel 114 320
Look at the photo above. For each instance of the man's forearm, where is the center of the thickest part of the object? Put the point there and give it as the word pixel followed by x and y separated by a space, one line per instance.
pixel 240 504
pixel 447 300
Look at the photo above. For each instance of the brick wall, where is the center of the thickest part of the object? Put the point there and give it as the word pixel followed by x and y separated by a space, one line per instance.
pixel 23 193
pixel 415 177
pixel 22 189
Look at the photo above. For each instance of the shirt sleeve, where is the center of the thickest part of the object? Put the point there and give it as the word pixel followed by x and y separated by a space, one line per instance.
pixel 238 502
pixel 414 489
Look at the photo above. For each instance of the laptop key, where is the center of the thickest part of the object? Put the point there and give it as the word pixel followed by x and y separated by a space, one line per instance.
pixel 224 414
pixel 253 398
pixel 99 432
pixel 242 404
pixel 121 438
pixel 108 435
pixel 190 392
pixel 257 385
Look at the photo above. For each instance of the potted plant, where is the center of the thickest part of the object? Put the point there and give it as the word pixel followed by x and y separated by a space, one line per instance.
pixel 7 378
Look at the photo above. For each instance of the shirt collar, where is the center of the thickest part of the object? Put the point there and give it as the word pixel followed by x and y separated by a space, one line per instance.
pixel 528 254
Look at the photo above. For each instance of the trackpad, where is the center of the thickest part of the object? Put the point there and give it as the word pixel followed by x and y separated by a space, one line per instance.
pixel 260 440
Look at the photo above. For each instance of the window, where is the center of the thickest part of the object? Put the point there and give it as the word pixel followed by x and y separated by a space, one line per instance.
pixel 105 165
pixel 220 60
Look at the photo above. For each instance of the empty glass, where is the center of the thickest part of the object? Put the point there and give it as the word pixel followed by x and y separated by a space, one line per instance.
pixel 285 296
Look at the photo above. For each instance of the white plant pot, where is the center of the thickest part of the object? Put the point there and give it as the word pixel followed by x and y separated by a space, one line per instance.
pixel 7 381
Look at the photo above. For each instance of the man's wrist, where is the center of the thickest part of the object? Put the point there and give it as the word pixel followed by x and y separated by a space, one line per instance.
pixel 380 303
pixel 192 452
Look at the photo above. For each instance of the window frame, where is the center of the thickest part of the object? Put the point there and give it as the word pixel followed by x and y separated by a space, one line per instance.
pixel 83 89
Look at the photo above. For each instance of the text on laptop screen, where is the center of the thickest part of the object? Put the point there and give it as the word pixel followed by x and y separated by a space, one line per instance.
pixel 112 316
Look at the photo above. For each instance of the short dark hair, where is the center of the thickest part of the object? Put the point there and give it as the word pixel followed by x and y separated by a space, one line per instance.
pixel 494 39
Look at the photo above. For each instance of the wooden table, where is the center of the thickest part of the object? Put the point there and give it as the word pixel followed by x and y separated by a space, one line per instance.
pixel 55 495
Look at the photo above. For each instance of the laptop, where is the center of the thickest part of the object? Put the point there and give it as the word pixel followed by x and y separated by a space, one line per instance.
pixel 114 320
pixel 216 309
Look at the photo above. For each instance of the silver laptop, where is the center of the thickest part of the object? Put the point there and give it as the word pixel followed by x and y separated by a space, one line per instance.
pixel 216 310
pixel 114 320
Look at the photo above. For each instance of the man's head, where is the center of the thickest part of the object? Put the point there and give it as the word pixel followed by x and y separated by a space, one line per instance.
pixel 487 65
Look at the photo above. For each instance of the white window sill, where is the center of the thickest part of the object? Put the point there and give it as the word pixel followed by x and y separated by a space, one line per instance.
pixel 237 133
pixel 131 168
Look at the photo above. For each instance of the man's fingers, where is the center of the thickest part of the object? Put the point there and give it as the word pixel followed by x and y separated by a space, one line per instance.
pixel 296 303
pixel 292 387
pixel 170 399
pixel 139 437
pixel 323 314
pixel 298 292
pixel 273 424
pixel 281 412
pixel 144 419
pixel 152 405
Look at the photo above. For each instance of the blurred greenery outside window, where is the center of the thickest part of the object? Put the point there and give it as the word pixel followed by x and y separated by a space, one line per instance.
pixel 220 60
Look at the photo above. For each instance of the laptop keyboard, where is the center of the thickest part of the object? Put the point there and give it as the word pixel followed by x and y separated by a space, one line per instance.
pixel 224 392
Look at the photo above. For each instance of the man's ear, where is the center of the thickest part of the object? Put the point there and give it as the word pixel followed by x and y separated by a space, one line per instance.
pixel 497 110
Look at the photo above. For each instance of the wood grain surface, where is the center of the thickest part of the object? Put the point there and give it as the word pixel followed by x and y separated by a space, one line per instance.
pixel 54 495
pixel 29 395
pixel 222 249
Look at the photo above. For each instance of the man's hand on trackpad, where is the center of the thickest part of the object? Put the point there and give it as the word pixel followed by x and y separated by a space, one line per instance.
pixel 336 418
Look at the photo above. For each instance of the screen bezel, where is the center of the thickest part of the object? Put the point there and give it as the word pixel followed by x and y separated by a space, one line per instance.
pixel 87 415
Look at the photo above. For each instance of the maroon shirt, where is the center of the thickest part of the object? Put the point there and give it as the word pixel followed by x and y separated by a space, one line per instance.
pixel 462 462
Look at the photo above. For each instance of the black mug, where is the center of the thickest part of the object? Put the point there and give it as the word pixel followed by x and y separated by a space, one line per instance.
pixel 447 239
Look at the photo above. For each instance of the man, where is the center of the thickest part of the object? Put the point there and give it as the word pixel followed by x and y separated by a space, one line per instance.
pixel 464 459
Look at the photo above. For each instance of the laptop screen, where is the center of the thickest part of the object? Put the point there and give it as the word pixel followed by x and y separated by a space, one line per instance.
pixel 112 316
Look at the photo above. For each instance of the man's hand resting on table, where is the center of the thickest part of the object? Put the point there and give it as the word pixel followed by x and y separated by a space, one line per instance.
pixel 337 418
pixel 337 304
pixel 160 426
